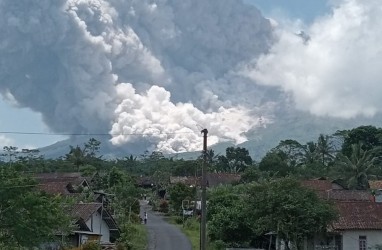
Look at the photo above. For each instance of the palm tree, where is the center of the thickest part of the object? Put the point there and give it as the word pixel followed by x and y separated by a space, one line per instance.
pixel 77 156
pixel 325 149
pixel 358 166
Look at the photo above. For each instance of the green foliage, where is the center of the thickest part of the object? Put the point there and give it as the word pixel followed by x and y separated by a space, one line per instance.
pixel 368 136
pixel 191 224
pixel 28 217
pixel 178 193
pixel 236 160
pixel 91 245
pixel 357 167
pixel 227 220
pixel 296 211
pixel 275 162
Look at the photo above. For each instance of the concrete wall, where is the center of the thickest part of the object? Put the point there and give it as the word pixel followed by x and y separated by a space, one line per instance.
pixel 94 224
pixel 350 239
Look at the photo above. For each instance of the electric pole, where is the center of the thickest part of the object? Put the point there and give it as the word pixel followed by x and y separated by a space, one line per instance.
pixel 203 223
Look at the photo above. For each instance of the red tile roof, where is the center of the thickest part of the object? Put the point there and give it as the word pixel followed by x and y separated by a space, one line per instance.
pixel 358 216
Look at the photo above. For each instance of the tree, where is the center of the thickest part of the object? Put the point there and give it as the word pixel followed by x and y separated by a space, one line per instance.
pixel 76 155
pixel 28 217
pixel 11 152
pixel 293 151
pixel 368 136
pixel 236 160
pixel 325 149
pixel 92 147
pixel 178 193
pixel 296 211
pixel 358 166
pixel 227 219
pixel 276 163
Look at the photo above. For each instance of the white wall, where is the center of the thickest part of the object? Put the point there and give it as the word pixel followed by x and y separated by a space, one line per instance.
pixel 350 239
pixel 96 219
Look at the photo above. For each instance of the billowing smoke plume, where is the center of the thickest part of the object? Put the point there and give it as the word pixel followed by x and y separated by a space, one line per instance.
pixel 334 66
pixel 161 69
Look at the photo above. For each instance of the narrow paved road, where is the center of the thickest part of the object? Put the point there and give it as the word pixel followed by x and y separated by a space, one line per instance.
pixel 162 235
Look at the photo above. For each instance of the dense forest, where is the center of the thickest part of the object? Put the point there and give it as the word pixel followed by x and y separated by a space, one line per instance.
pixel 351 157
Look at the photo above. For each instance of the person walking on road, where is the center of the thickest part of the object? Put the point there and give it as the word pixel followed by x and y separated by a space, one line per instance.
pixel 145 217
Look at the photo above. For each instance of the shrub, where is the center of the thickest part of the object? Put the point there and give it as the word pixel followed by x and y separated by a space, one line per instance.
pixel 91 245
pixel 178 220
pixel 163 206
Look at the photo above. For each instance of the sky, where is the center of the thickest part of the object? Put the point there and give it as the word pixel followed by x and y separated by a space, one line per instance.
pixel 154 72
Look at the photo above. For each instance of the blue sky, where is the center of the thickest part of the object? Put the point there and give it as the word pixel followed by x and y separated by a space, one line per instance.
pixel 24 120
pixel 305 10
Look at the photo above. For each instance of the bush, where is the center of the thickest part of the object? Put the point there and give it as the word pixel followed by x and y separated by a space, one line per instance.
pixel 178 220
pixel 91 245
pixel 191 224
pixel 163 206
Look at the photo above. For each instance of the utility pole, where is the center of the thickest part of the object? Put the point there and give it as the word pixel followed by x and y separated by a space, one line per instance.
pixel 203 225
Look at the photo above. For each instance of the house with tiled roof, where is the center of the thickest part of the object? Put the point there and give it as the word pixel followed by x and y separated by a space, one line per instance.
pixel 94 222
pixel 359 227
pixel 216 179
pixel 61 183
pixel 376 187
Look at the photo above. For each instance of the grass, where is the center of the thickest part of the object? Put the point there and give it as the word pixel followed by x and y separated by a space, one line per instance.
pixel 140 238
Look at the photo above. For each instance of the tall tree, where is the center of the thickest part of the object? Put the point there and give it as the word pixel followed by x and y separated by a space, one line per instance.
pixel 325 149
pixel 358 166
pixel 76 156
pixel 236 160
pixel 276 163
pixel 368 136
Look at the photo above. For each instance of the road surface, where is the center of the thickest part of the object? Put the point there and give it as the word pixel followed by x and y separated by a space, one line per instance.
pixel 162 235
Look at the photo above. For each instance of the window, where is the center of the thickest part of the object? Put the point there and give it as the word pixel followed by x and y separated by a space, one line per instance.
pixel 362 243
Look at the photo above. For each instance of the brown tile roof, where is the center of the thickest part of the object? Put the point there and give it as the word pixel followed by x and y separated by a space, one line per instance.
pixel 358 216
pixel 317 185
pixel 55 188
pixel 375 185
pixel 74 178
pixel 349 195
pixel 84 210
pixel 187 180
pixel 215 179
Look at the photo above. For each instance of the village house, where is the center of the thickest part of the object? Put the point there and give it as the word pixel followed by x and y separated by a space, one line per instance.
pixel 359 226
pixel 94 223
pixel 92 220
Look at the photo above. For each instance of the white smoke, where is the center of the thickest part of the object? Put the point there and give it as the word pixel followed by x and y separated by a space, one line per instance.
pixel 173 127
pixel 157 68
pixel 5 141
pixel 337 70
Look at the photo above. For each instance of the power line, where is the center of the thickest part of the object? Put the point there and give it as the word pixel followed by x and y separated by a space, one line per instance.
pixel 91 134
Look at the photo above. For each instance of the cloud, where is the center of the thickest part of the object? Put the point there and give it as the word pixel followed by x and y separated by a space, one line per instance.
pixel 178 61
pixel 5 141
pixel 337 72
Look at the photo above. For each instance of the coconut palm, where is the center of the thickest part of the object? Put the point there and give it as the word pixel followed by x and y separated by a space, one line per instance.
pixel 358 166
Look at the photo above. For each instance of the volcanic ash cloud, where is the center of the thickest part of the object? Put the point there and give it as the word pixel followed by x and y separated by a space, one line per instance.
pixel 152 70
